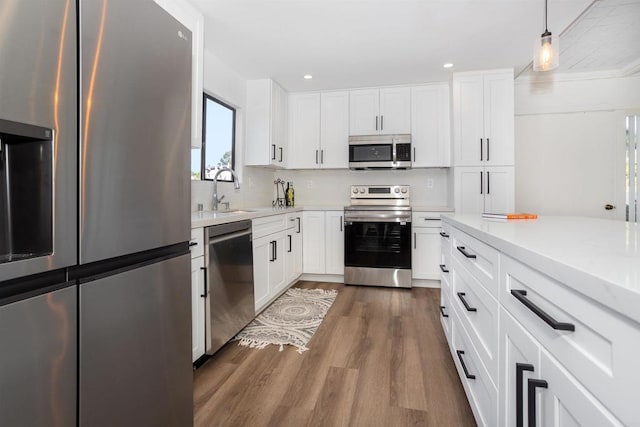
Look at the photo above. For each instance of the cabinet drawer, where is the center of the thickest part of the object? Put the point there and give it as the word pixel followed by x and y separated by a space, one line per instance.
pixel 445 315
pixel 479 313
pixel 197 237
pixel 426 219
pixel 601 351
pixel 479 259
pixel 267 225
pixel 481 393
pixel 294 221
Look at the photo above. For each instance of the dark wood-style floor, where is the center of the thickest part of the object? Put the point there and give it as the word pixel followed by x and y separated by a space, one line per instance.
pixel 379 358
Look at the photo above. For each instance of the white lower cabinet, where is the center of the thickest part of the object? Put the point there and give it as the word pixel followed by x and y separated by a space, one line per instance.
pixel 293 251
pixel 556 358
pixel 268 268
pixel 480 390
pixel 197 307
pixel 425 253
pixel 482 189
pixel 323 242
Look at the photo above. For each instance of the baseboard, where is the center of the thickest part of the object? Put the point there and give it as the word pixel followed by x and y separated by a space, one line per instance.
pixel 332 278
pixel 423 283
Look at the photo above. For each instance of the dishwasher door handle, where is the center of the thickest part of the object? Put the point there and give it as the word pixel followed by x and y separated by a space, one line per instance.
pixel 217 239
pixel 206 291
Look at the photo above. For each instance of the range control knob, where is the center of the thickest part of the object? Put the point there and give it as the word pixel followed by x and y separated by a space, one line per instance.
pixel 354 190
pixel 404 190
pixel 362 190
pixel 396 190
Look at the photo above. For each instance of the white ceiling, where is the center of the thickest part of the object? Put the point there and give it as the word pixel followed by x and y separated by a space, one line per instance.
pixel 607 37
pixel 356 43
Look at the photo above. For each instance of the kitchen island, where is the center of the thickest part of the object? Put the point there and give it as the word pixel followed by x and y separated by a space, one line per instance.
pixel 542 318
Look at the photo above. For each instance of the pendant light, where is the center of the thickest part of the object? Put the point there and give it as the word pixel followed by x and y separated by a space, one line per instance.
pixel 546 53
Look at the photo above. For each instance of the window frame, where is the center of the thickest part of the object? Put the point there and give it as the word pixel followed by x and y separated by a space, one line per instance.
pixel 203 149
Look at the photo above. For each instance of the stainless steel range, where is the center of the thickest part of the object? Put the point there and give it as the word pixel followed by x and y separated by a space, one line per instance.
pixel 377 239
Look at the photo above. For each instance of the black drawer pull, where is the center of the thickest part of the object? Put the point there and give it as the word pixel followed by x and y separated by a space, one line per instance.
pixel 443 268
pixel 191 244
pixel 442 311
pixel 532 384
pixel 443 234
pixel 461 295
pixel 521 295
pixel 205 282
pixel 520 368
pixel 464 252
pixel 464 367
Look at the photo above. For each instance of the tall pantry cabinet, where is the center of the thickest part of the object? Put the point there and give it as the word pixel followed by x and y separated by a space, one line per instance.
pixel 483 137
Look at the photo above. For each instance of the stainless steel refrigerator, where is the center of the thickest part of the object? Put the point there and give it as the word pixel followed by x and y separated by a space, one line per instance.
pixel 134 216
pixel 95 317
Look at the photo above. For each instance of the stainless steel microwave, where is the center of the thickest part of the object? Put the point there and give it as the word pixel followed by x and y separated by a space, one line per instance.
pixel 380 152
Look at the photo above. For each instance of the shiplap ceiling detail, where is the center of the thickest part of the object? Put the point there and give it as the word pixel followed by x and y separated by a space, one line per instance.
pixel 356 43
pixel 607 37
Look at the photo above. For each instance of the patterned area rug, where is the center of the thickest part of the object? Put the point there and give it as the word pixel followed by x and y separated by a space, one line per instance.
pixel 291 319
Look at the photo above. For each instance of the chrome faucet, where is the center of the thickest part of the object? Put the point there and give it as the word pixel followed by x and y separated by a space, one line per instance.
pixel 236 185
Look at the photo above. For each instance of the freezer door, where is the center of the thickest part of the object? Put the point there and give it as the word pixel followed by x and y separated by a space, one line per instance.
pixel 38 101
pixel 135 347
pixel 38 360
pixel 135 129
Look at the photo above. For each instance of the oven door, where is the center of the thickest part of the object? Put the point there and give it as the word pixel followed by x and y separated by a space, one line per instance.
pixel 377 243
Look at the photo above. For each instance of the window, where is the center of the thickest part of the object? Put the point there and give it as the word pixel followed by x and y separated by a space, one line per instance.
pixel 218 141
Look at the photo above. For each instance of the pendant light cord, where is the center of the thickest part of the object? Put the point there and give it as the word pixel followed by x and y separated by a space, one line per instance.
pixel 545 16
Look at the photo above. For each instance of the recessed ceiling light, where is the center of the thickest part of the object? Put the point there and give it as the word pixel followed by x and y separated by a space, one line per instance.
pixel 308 76
pixel 448 65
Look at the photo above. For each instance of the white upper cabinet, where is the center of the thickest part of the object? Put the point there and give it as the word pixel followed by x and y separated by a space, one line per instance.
pixel 479 189
pixel 191 18
pixel 380 111
pixel 483 118
pixel 266 127
pixel 304 131
pixel 395 110
pixel 318 130
pixel 430 126
pixel 334 130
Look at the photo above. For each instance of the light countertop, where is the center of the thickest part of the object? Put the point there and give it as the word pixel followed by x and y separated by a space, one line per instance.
pixel 597 257
pixel 207 218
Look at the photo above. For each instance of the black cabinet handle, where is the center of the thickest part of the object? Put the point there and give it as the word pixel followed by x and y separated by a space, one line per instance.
pixel 442 307
pixel 480 148
pixel 321 156
pixel 298 218
pixel 340 222
pixel 275 250
pixel 376 122
pixel 488 149
pixel 414 240
pixel 205 282
pixel 414 154
pixel 316 157
pixel 481 184
pixel 443 268
pixel 274 152
pixel 381 122
pixel 191 244
pixel 521 295
pixel 280 154
pixel 461 295
pixel 464 252
pixel 443 234
pixel 464 367
pixel 488 180
pixel 290 248
pixel 532 384
pixel 520 368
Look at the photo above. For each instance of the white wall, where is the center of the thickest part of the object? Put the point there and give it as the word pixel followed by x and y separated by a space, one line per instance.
pixel 569 144
pixel 429 187
pixel 256 184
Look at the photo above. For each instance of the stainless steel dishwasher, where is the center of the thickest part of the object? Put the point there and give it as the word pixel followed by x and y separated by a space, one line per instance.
pixel 229 284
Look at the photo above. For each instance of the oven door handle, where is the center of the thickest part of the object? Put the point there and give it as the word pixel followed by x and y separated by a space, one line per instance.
pixel 351 219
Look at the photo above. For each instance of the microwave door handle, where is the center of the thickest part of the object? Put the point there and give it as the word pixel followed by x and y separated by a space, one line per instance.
pixel 394 153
